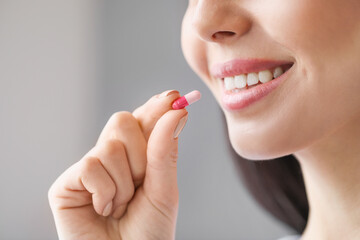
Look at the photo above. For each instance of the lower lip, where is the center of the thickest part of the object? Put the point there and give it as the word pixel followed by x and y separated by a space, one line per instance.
pixel 245 97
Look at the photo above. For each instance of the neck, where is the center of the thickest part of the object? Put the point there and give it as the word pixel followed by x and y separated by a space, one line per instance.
pixel 331 170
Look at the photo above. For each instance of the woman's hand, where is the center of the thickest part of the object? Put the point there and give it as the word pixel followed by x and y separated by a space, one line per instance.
pixel 126 186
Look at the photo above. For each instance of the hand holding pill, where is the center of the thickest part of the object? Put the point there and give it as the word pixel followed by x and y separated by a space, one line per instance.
pixel 125 187
pixel 186 100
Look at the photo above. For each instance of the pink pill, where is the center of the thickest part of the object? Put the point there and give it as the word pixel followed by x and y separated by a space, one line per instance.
pixel 186 100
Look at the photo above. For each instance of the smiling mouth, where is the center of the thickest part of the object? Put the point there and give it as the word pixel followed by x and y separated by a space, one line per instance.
pixel 237 83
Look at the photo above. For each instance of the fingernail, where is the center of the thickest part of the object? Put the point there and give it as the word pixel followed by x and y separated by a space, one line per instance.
pixel 168 93
pixel 180 126
pixel 107 209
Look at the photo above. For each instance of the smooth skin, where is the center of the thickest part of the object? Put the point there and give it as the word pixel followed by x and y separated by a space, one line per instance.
pixel 125 187
pixel 314 114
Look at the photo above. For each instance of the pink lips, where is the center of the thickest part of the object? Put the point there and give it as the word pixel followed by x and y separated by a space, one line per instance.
pixel 245 97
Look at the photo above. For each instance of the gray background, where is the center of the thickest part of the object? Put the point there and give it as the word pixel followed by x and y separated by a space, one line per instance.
pixel 65 67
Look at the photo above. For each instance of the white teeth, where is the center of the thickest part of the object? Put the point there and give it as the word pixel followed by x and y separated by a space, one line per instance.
pixel 240 81
pixel 237 82
pixel 229 83
pixel 277 72
pixel 252 79
pixel 265 76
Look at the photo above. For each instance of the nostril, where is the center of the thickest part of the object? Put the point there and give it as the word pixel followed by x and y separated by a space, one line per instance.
pixel 222 34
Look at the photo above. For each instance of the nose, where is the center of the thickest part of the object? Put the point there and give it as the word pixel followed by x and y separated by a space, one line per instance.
pixel 220 21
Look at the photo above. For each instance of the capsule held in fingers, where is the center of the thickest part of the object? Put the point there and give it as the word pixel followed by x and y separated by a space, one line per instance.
pixel 186 100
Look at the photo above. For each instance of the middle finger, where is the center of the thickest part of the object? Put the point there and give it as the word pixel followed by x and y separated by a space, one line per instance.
pixel 124 126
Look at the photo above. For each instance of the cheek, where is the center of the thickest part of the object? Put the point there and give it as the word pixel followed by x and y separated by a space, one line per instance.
pixel 310 29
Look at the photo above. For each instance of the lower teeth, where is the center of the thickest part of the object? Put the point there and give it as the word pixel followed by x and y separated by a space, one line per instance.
pixel 236 90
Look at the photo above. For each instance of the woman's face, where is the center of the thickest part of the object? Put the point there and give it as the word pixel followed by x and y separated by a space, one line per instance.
pixel 320 39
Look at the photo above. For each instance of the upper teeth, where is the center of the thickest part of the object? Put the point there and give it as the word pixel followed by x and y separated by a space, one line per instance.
pixel 240 81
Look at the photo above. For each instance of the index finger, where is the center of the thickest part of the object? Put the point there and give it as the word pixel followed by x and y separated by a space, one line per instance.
pixel 149 113
pixel 134 130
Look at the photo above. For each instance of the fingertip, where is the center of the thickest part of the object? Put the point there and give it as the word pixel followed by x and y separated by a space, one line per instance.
pixel 107 209
pixel 168 93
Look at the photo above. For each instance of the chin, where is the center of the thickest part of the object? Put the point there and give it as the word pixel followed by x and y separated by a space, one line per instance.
pixel 252 154
pixel 257 146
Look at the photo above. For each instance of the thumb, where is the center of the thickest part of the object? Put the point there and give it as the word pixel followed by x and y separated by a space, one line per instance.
pixel 160 183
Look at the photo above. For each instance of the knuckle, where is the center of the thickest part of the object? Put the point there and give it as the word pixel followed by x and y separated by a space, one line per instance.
pixel 173 158
pixel 113 147
pixel 53 197
pixel 163 161
pixel 156 156
pixel 89 167
pixel 51 193
pixel 123 119
pixel 90 164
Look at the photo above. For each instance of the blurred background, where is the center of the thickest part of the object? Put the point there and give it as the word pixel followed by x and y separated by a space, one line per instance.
pixel 65 67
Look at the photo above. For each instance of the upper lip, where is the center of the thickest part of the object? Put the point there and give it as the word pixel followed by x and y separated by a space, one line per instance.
pixel 241 66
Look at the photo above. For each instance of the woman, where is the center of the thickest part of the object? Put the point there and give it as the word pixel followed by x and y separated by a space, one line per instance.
pixel 285 74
